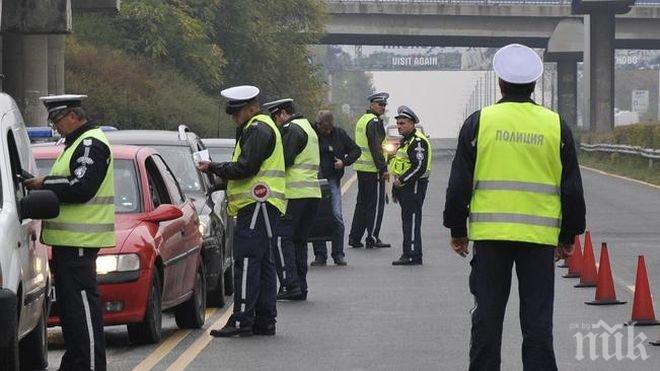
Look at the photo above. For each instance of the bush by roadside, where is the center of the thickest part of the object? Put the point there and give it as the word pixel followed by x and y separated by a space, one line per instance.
pixel 646 135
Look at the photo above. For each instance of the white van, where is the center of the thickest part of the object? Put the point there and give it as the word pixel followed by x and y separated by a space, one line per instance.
pixel 24 274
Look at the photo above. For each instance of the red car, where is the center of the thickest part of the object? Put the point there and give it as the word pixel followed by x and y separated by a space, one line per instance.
pixel 156 264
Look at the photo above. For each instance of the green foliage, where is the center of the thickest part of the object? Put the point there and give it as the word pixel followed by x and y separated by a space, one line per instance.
pixel 645 135
pixel 132 92
pixel 630 166
pixel 264 43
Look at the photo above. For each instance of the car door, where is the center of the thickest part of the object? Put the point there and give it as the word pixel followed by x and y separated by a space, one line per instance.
pixel 190 229
pixel 170 233
pixel 33 264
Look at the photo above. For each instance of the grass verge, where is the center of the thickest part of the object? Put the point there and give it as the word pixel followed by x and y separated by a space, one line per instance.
pixel 628 166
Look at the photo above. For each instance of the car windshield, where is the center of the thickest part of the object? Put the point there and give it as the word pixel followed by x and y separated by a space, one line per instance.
pixel 180 161
pixel 220 154
pixel 393 132
pixel 127 191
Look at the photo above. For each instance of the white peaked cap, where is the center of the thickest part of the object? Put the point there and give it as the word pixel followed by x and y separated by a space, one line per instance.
pixel 517 64
pixel 240 93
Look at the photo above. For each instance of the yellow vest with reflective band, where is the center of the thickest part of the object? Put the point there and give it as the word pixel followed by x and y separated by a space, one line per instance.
pixel 517 175
pixel 302 176
pixel 91 224
pixel 365 162
pixel 400 164
pixel 271 174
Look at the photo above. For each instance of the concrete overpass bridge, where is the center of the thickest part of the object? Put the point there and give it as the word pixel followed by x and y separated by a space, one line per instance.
pixel 569 31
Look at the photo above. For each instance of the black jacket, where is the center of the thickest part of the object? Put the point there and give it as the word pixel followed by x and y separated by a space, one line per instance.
pixel 375 137
pixel 418 153
pixel 337 145
pixel 459 189
pixel 88 166
pixel 257 144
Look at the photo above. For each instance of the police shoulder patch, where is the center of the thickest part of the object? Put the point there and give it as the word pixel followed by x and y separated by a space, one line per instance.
pixel 87 142
pixel 80 171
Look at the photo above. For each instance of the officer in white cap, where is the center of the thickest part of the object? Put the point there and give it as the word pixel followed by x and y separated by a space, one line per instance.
pixel 372 173
pixel 301 158
pixel 410 167
pixel 515 176
pixel 82 179
pixel 256 194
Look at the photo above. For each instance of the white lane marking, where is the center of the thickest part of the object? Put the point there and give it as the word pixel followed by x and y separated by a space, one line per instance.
pixel 620 177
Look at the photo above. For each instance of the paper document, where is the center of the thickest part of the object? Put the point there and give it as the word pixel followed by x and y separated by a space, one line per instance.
pixel 201 156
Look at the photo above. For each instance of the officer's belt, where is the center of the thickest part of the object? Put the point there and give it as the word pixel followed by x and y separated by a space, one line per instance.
pixel 515 218
pixel 503 185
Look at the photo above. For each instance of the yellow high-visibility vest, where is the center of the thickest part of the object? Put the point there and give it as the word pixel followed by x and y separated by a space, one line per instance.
pixel 365 162
pixel 92 224
pixel 400 164
pixel 302 176
pixel 517 176
pixel 240 193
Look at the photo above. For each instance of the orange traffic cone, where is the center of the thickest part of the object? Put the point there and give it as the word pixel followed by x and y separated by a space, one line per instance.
pixel 642 313
pixel 575 260
pixel 605 294
pixel 588 273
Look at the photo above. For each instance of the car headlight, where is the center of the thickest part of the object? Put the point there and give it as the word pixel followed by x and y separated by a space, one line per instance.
pixel 117 263
pixel 389 148
pixel 204 225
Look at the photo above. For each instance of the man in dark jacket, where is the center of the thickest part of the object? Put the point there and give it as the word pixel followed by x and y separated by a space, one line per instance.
pixel 338 150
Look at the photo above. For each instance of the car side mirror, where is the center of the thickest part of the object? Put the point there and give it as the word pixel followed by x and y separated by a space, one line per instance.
pixel 39 204
pixel 163 213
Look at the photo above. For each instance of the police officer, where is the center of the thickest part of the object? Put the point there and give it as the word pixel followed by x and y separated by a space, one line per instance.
pixel 372 173
pixel 410 167
pixel 255 191
pixel 516 176
pixel 301 159
pixel 82 179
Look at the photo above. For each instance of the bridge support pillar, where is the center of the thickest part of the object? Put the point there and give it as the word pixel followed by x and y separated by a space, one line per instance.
pixel 599 71
pixel 26 74
pixel 567 91
pixel 56 64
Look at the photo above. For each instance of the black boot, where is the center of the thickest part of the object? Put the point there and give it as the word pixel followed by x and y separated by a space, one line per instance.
pixel 355 244
pixel 404 260
pixel 318 262
pixel 289 293
pixel 340 261
pixel 381 244
pixel 264 330
pixel 230 331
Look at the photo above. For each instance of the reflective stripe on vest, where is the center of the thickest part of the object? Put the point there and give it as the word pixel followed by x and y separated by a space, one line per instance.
pixel 271 174
pixel 400 164
pixel 302 176
pixel 365 162
pixel 517 176
pixel 90 224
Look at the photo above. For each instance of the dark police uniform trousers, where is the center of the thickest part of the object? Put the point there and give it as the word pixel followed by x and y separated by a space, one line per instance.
pixel 411 198
pixel 291 244
pixel 369 207
pixel 255 280
pixel 80 309
pixel 490 283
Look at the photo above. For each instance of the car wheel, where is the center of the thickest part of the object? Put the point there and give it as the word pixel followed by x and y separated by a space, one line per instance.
pixel 9 352
pixel 192 313
pixel 229 279
pixel 34 347
pixel 216 297
pixel 150 330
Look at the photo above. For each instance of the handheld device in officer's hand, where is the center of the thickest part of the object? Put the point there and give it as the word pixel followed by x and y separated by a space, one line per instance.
pixel 24 175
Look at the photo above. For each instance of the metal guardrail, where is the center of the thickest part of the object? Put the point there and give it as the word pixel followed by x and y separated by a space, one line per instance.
pixel 650 154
